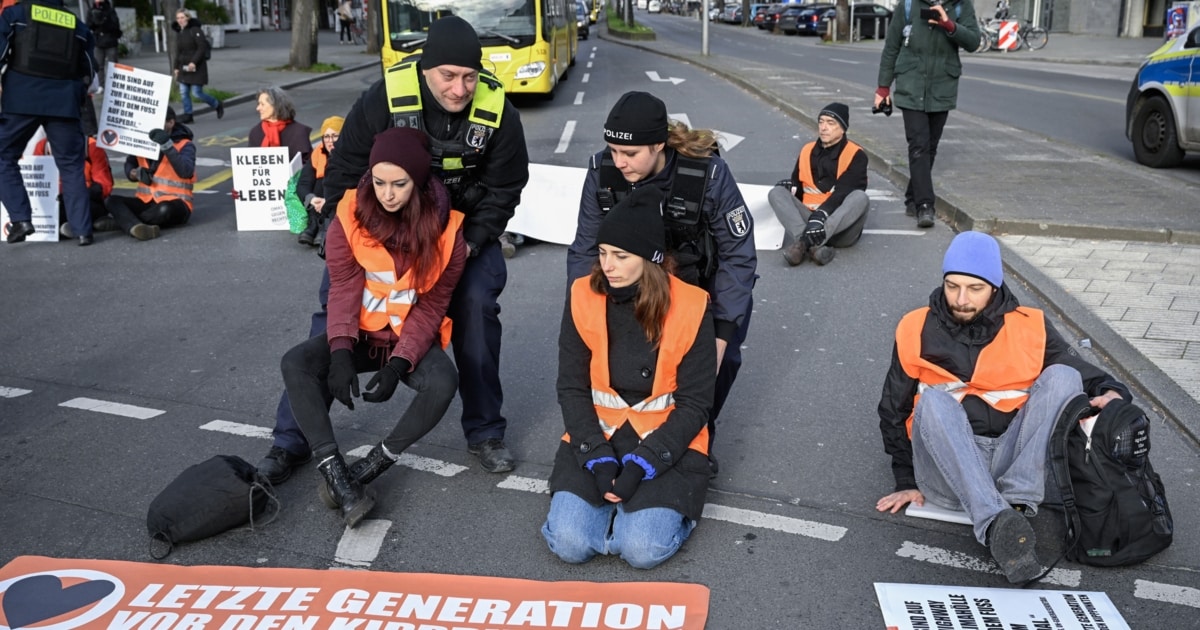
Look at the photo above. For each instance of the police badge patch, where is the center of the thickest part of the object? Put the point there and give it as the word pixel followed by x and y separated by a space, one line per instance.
pixel 477 136
pixel 738 221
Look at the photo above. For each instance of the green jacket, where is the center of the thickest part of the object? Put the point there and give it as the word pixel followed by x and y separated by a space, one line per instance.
pixel 926 70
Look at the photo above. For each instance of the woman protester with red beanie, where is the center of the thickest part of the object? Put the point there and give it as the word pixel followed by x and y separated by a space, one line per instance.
pixel 637 372
pixel 278 126
pixel 395 251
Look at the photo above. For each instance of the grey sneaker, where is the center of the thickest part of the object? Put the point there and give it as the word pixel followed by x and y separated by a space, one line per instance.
pixel 796 252
pixel 143 232
pixel 1012 543
pixel 822 254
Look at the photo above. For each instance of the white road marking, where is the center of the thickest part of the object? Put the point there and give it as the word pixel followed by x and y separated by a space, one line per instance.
pixel 751 518
pixel 359 546
pixel 958 560
pixel 845 61
pixel 578 98
pixel 1169 593
pixel 589 64
pixel 237 428
pixel 116 409
pixel 1031 88
pixel 727 140
pixel 416 462
pixel 13 392
pixel 586 76
pixel 525 484
pixel 207 161
pixel 653 75
pixel 565 140
pixel 897 232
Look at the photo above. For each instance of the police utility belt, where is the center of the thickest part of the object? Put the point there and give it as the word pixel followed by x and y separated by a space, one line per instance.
pixel 47 46
pixel 687 234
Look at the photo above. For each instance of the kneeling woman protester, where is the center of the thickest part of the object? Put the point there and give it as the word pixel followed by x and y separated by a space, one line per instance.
pixel 636 374
pixel 395 251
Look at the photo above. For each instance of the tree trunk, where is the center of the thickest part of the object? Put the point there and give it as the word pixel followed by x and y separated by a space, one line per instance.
pixel 169 8
pixel 843 20
pixel 629 13
pixel 304 34
pixel 374 26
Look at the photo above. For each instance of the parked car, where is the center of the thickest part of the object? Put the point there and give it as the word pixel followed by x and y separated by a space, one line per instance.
pixel 757 13
pixel 732 14
pixel 804 19
pixel 1162 113
pixel 714 14
pixel 867 17
pixel 654 6
pixel 771 16
pixel 582 22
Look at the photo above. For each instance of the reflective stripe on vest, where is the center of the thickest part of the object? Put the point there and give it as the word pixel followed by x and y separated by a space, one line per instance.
pixel 386 299
pixel 684 316
pixel 813 197
pixel 1004 371
pixel 166 185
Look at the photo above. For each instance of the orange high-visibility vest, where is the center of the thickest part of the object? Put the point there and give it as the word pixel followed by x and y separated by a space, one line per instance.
pixel 386 299
pixel 1004 372
pixel 166 184
pixel 92 173
pixel 319 159
pixel 684 317
pixel 813 197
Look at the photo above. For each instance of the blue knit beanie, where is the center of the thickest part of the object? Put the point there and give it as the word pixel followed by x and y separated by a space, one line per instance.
pixel 974 254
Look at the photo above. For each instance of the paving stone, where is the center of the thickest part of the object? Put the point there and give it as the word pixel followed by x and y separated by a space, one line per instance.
pixel 1094 299
pixel 1146 301
pixel 1129 288
pixel 1185 303
pixel 1175 290
pixel 1192 352
pixel 1113 254
pixel 1166 316
pixel 1169 257
pixel 1160 349
pixel 1099 273
pixel 1165 278
pixel 1070 261
pixel 1135 265
pixel 1159 330
pixel 1131 330
pixel 1109 313
pixel 1074 286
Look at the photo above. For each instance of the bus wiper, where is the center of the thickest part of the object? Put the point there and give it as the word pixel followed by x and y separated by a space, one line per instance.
pixel 507 38
pixel 412 43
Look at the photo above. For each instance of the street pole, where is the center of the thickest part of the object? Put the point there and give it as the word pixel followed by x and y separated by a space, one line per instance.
pixel 704 28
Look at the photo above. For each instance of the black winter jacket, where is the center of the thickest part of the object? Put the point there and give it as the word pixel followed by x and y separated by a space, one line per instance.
pixel 956 347
pixel 295 136
pixel 824 169
pixel 681 477
pixel 105 25
pixel 504 172
pixel 190 46
pixel 182 160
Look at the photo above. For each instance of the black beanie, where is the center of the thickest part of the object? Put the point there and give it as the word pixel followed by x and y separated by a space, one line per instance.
pixel 637 119
pixel 451 42
pixel 839 112
pixel 635 224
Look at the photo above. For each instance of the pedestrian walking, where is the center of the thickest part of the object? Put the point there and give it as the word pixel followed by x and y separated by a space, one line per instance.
pixel 345 15
pixel 49 66
pixel 106 28
pixel 920 55
pixel 191 65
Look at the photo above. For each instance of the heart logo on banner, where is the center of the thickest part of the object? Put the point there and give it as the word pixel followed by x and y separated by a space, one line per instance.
pixel 109 137
pixel 41 597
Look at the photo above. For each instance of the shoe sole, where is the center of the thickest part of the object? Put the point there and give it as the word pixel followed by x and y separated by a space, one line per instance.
pixel 144 232
pixel 360 511
pixel 1013 546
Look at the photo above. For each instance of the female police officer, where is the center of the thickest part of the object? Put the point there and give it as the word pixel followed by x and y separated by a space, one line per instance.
pixel 710 233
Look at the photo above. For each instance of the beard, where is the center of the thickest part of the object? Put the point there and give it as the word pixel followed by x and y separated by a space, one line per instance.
pixel 963 314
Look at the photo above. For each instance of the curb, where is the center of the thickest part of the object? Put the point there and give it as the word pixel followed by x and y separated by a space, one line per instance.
pixel 246 98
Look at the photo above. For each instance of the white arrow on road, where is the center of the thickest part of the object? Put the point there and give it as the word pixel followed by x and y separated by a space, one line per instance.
pixel 654 77
pixel 725 139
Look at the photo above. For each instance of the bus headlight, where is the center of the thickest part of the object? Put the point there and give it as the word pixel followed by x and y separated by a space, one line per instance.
pixel 531 70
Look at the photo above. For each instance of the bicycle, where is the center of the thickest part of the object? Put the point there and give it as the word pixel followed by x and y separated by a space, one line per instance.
pixel 1028 36
pixel 1035 37
pixel 357 32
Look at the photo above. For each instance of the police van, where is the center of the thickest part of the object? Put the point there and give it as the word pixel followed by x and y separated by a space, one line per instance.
pixel 1162 113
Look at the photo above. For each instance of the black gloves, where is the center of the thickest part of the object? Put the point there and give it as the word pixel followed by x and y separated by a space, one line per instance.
pixel 814 232
pixel 343 377
pixel 604 473
pixel 161 137
pixel 144 176
pixel 381 386
pixel 627 482
pixel 786 183
pixel 472 250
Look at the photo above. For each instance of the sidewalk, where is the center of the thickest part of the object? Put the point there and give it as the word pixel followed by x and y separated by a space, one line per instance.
pixel 1110 245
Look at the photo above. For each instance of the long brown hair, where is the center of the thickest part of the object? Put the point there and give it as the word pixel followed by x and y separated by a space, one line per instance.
pixel 653 296
pixel 413 230
pixel 693 143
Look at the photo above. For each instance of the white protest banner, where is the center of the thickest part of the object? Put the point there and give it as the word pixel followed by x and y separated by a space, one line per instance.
pixel 916 606
pixel 260 180
pixel 135 101
pixel 41 183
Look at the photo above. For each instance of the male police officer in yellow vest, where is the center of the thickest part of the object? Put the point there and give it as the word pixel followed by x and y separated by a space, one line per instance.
pixel 976 384
pixel 48 52
pixel 824 204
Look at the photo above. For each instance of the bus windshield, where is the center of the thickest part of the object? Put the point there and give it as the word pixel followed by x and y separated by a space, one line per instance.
pixel 498 22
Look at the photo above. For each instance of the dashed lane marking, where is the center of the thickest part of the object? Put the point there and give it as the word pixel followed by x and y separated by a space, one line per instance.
pixel 586 76
pixel 751 518
pixel 578 98
pixel 958 560
pixel 565 140
pixel 116 409
pixel 1169 593
pixel 237 428
pixel 359 546
pixel 416 462
pixel 525 484
pixel 13 392
pixel 855 63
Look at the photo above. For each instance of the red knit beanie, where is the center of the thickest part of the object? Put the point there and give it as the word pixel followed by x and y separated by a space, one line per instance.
pixel 405 147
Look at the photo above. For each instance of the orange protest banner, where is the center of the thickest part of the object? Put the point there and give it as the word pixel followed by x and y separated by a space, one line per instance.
pixel 39 593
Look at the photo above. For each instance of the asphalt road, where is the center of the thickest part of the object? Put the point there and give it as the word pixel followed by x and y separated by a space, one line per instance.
pixel 194 323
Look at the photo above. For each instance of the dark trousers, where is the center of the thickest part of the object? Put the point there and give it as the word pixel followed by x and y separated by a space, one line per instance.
pixel 476 339
pixel 730 364
pixel 67 144
pixel 306 371
pixel 130 211
pixel 103 56
pixel 287 432
pixel 345 35
pixel 96 201
pixel 923 130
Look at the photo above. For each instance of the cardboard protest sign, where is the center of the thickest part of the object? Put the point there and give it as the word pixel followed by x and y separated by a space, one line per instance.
pixel 135 101
pixel 260 181
pixel 111 594
pixel 41 183
pixel 920 606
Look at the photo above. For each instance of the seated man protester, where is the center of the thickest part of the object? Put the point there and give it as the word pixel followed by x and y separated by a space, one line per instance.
pixel 824 204
pixel 975 386
pixel 164 192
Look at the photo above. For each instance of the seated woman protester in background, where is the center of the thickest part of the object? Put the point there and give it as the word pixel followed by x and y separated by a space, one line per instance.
pixel 164 191
pixel 311 187
pixel 278 126
pixel 97 175
pixel 636 374
pixel 395 251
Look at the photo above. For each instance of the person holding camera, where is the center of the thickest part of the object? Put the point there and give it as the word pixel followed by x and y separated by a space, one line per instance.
pixel 164 191
pixel 921 56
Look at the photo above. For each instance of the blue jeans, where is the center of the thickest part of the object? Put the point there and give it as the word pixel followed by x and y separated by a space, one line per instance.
pixel 957 469
pixel 186 92
pixel 576 531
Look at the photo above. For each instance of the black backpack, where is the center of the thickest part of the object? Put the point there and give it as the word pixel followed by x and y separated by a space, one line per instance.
pixel 1116 509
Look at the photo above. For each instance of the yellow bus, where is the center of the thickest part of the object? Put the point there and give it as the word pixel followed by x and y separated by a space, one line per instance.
pixel 527 44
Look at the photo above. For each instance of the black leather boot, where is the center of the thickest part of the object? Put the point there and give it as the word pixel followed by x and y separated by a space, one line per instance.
pixel 364 471
pixel 322 227
pixel 309 235
pixel 354 500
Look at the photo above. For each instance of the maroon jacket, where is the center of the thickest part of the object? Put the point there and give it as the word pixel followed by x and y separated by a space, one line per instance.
pixel 347 281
